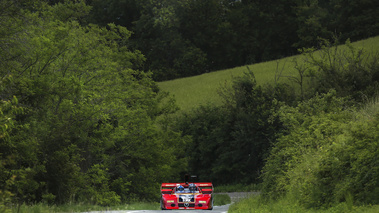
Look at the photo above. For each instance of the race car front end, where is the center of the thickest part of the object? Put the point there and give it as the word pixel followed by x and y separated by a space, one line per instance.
pixel 173 198
pixel 186 202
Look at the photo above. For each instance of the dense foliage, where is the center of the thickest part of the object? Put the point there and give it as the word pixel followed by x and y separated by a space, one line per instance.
pixel 311 147
pixel 188 37
pixel 82 120
pixel 350 71
pixel 327 157
pixel 230 142
pixel 78 118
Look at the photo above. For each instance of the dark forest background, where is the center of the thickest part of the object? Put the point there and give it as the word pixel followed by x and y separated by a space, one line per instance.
pixel 83 120
pixel 190 37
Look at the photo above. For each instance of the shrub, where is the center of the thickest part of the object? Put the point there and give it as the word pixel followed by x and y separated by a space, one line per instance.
pixel 349 70
pixel 328 157
pixel 221 199
pixel 308 128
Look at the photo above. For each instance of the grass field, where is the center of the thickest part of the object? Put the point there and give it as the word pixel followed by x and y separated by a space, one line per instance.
pixel 194 91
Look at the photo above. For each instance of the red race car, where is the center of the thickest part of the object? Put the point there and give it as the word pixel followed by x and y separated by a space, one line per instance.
pixel 187 196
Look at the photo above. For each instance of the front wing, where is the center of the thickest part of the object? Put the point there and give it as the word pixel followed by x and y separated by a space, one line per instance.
pixel 170 201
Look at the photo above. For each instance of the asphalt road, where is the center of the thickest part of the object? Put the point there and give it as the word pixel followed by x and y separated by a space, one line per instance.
pixel 216 209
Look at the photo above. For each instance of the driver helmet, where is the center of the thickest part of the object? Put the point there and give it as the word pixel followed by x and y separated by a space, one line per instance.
pixel 180 188
pixel 192 187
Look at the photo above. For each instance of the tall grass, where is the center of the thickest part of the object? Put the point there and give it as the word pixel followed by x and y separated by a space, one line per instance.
pixel 257 205
pixel 221 199
pixel 43 208
pixel 369 110
pixel 194 91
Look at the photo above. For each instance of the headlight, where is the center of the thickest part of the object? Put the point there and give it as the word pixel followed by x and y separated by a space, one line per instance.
pixel 170 201
pixel 202 201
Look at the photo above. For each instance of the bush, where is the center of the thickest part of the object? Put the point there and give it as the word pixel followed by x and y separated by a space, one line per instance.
pixel 233 140
pixel 308 128
pixel 221 199
pixel 350 71
pixel 97 189
pixel 285 205
pixel 326 158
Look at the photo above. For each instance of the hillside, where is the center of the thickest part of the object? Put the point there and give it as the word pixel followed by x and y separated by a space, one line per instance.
pixel 194 91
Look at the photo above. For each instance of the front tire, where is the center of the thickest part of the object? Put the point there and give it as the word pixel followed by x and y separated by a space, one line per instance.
pixel 211 208
pixel 162 208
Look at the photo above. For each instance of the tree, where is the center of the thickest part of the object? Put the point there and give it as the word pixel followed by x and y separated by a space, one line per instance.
pixel 232 140
pixel 311 20
pixel 252 127
pixel 8 111
pixel 169 54
pixel 88 113
pixel 206 125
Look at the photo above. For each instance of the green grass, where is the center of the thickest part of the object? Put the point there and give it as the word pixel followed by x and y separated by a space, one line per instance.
pixel 221 199
pixel 202 89
pixel 42 208
pixel 256 205
pixel 193 91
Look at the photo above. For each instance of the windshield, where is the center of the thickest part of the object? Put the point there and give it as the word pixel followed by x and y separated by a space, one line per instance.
pixel 186 190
